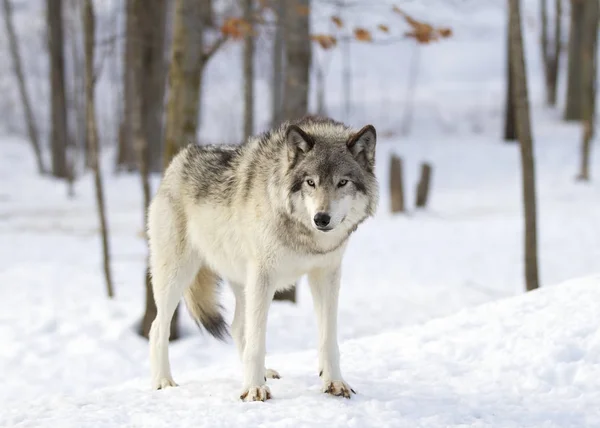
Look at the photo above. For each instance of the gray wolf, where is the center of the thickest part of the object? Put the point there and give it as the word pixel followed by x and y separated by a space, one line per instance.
pixel 259 215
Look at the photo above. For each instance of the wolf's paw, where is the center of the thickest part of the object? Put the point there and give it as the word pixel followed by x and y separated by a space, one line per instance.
pixel 272 374
pixel 339 388
pixel 163 383
pixel 256 393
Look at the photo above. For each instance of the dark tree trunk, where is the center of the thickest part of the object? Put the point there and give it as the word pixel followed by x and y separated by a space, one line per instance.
pixel 20 77
pixel 298 61
pixel 248 73
pixel 126 158
pixel 278 63
pixel 153 27
pixel 89 23
pixel 510 129
pixel 59 136
pixel 574 82
pixel 551 57
pixel 526 144
pixel 589 62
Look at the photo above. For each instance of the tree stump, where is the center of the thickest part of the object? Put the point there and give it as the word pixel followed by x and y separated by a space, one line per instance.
pixel 396 185
pixel 423 186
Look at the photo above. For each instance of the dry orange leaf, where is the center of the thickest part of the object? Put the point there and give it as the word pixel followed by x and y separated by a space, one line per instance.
pixel 236 28
pixel 384 28
pixel 337 21
pixel 445 32
pixel 362 35
pixel 327 41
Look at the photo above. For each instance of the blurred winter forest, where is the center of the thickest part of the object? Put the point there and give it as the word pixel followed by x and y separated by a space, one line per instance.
pixel 485 113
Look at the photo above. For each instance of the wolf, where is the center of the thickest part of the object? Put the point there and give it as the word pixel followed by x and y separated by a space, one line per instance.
pixel 259 215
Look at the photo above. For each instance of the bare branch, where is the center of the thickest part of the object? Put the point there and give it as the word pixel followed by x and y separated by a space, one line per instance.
pixel 214 48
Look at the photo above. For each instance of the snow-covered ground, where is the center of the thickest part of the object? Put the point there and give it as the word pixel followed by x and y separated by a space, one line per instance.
pixel 416 343
pixel 529 361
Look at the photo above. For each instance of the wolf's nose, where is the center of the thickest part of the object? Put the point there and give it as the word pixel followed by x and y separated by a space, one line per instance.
pixel 322 219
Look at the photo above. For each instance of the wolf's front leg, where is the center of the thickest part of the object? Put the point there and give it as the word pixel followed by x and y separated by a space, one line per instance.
pixel 258 297
pixel 325 286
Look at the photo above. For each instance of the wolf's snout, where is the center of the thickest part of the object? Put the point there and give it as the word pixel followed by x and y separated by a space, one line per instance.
pixel 322 220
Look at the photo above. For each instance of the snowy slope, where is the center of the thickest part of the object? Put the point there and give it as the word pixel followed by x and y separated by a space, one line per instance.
pixel 528 361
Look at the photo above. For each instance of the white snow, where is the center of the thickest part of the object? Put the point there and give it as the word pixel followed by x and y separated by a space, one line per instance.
pixel 529 361
pixel 435 329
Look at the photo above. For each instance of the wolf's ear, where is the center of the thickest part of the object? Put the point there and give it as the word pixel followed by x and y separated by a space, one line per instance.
pixel 362 146
pixel 298 142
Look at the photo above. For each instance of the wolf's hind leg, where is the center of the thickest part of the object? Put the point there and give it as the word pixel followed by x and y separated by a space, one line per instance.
pixel 170 277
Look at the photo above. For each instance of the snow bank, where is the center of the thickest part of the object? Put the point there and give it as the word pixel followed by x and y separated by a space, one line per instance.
pixel 528 361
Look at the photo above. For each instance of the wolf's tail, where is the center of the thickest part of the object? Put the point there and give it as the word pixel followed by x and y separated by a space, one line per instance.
pixel 202 301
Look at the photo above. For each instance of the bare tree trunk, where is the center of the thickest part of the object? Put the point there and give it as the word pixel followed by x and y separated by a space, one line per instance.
pixel 297 71
pixel 89 23
pixel 510 129
pixel 77 102
pixel 20 77
pixel 320 83
pixel 126 158
pixel 574 83
pixel 298 61
pixel 59 129
pixel 153 26
pixel 140 142
pixel 410 90
pixel 589 60
pixel 278 48
pixel 248 72
pixel 526 144
pixel 551 58
pixel 185 75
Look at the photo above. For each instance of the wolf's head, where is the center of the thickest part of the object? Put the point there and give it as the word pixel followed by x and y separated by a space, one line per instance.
pixel 331 174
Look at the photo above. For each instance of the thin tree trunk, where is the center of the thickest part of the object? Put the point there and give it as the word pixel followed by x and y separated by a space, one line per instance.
pixel 59 129
pixel 574 82
pixel 589 58
pixel 278 48
pixel 320 82
pixel 20 77
pixel 526 143
pixel 78 106
pixel 89 23
pixel 510 129
pixel 153 25
pixel 248 72
pixel 555 60
pixel 297 71
pixel 126 157
pixel 411 88
pixel 551 58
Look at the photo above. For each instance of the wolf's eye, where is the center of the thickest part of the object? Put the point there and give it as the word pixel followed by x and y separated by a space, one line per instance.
pixel 342 183
pixel 310 182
